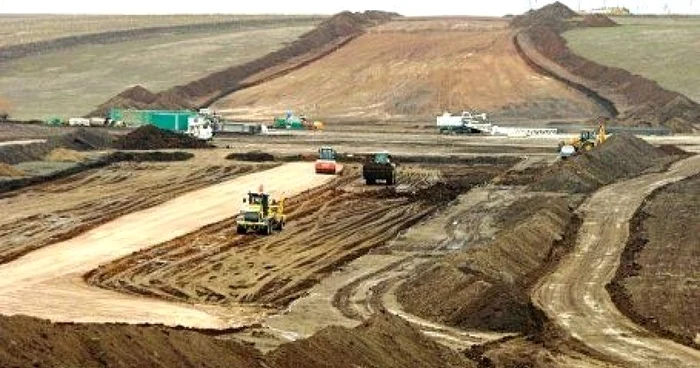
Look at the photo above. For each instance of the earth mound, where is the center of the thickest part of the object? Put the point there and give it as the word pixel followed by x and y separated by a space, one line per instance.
pixel 621 156
pixel 553 14
pixel 149 137
pixel 597 20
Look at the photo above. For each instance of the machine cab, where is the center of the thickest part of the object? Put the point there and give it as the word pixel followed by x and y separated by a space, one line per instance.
pixel 382 158
pixel 326 153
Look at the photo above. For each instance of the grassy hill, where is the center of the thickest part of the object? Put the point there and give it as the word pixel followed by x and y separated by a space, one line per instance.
pixel 665 50
pixel 71 78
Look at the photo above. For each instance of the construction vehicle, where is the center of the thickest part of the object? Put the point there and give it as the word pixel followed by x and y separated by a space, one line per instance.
pixel 586 141
pixel 293 122
pixel 325 164
pixel 260 214
pixel 379 168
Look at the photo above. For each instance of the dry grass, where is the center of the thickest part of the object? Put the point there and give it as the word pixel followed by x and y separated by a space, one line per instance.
pixel 72 82
pixel 665 50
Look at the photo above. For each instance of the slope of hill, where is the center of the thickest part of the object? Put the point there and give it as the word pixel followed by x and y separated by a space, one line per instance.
pixel 416 67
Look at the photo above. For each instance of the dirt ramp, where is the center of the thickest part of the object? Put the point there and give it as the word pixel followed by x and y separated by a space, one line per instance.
pixel 486 286
pixel 324 39
pixel 30 342
pixel 149 137
pixel 383 341
pixel 622 156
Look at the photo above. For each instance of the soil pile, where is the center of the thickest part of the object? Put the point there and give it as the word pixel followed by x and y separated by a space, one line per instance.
pixel 83 140
pixel 65 155
pixel 325 38
pixel 487 286
pixel 149 137
pixel 652 285
pixel 383 341
pixel 622 156
pixel 552 15
pixel 10 171
pixel 30 342
pixel 254 156
pixel 639 101
pixel 78 140
pixel 597 20
pixel 138 97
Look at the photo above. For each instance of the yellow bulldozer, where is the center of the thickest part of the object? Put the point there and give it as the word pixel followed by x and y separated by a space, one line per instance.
pixel 261 214
pixel 586 141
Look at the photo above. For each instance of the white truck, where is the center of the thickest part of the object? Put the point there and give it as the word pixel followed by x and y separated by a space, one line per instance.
pixel 200 128
pixel 468 122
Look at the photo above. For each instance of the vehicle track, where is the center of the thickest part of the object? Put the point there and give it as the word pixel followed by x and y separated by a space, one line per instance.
pixel 47 283
pixel 574 295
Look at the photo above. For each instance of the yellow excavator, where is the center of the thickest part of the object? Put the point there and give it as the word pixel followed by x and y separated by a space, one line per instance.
pixel 586 141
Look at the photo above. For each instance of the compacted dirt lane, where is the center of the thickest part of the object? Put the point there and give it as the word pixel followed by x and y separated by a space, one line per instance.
pixel 574 295
pixel 47 283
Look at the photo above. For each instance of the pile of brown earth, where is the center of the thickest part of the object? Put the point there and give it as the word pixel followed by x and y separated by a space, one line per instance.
pixel 149 137
pixel 621 156
pixel 597 20
pixel 9 171
pixel 384 341
pixel 328 36
pixel 486 286
pixel 79 140
pixel 551 15
pixel 254 156
pixel 637 100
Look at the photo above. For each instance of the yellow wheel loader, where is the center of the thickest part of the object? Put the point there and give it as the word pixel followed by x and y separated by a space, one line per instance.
pixel 260 214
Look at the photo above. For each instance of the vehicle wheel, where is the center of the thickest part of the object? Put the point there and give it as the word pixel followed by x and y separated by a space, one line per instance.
pixel 587 146
pixel 240 229
pixel 370 181
pixel 280 226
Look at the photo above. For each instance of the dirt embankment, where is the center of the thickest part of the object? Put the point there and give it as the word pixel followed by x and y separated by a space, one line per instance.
pixel 487 286
pixel 30 342
pixel 324 39
pixel 640 101
pixel 621 156
pixel 384 341
pixel 327 228
pixel 149 137
pixel 656 283
pixel 78 140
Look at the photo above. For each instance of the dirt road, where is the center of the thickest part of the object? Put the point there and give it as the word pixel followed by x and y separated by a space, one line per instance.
pixel 574 295
pixel 48 283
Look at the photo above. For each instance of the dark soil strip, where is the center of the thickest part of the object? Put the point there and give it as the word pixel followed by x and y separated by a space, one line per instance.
pixel 628 267
pixel 14 184
pixel 603 102
pixel 19 51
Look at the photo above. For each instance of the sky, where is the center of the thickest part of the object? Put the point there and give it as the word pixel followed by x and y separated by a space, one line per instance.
pixel 408 8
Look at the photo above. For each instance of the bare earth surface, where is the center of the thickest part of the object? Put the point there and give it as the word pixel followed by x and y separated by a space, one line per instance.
pixel 450 63
pixel 574 295
pixel 47 283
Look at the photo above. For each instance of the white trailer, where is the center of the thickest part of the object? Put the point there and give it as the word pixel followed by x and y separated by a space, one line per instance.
pixel 79 122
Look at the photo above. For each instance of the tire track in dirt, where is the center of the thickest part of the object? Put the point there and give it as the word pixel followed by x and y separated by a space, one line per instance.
pixel 574 295
pixel 327 227
pixel 47 283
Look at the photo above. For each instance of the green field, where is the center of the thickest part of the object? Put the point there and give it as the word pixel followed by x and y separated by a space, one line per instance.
pixel 666 50
pixel 73 81
pixel 22 29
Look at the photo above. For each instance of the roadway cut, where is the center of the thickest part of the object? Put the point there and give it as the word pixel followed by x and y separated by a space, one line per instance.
pixel 574 295
pixel 48 283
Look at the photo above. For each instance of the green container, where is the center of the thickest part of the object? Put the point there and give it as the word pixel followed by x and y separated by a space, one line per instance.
pixel 175 120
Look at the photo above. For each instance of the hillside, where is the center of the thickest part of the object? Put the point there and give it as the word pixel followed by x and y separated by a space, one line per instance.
pixel 416 67
pixel 43 79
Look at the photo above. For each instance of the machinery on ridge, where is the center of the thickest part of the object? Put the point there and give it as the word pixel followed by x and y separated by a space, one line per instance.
pixel 586 141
